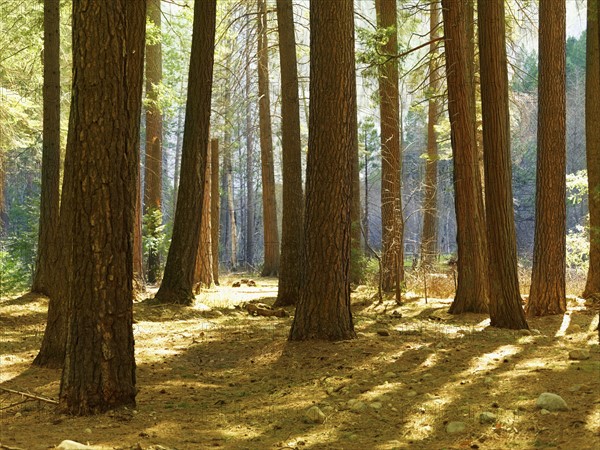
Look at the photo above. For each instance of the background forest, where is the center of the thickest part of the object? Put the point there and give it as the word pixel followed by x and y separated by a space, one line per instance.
pixel 235 122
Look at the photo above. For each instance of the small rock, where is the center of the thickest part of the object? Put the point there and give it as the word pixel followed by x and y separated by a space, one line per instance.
pixel 525 332
pixel 328 409
pixel 314 415
pixel 18 414
pixel 376 405
pixel 383 332
pixel 579 354
pixel 236 284
pixel 488 380
pixel 551 402
pixel 390 375
pixel 411 393
pixel 575 388
pixel 544 412
pixel 487 417
pixel 88 431
pixel 358 406
pixel 456 427
pixel 72 445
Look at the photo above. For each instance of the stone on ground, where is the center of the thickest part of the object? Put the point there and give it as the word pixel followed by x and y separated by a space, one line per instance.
pixel 579 354
pixel 551 402
pixel 456 427
pixel 314 415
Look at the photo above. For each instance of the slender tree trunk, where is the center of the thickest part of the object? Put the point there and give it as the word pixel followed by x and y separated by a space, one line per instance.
pixel 366 218
pixel 45 273
pixel 472 286
pixel 52 350
pixel 231 222
pixel 203 276
pixel 250 203
pixel 323 311
pixel 290 269
pixel 214 207
pixel 177 154
pixel 153 172
pixel 178 279
pixel 430 223
pixel 592 137
pixel 99 371
pixel 271 234
pixel 505 299
pixel 356 253
pixel 391 154
pixel 139 283
pixel 548 289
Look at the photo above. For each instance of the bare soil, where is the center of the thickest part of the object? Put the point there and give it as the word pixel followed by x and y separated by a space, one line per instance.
pixel 213 376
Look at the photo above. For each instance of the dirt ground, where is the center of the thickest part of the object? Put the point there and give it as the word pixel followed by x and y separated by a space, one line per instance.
pixel 213 376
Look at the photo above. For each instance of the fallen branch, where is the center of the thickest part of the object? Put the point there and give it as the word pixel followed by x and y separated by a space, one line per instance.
pixel 35 397
pixel 6 447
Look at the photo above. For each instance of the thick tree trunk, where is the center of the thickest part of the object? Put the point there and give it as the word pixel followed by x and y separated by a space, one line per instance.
pixel 271 234
pixel 214 207
pixel 472 288
pixel 178 279
pixel 592 138
pixel 290 269
pixel 505 299
pixel 429 235
pixel 323 311
pixel 203 276
pixel 391 155
pixel 45 273
pixel 153 172
pixel 548 289
pixel 99 372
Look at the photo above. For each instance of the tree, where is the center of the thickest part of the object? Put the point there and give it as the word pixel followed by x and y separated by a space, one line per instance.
pixel 429 234
pixel 505 298
pixel 323 311
pixel 271 234
pixel 290 269
pixel 548 289
pixel 99 371
pixel 391 159
pixel 153 172
pixel 214 207
pixel 45 273
pixel 178 279
pixel 472 287
pixel 203 276
pixel 592 138
pixel 250 205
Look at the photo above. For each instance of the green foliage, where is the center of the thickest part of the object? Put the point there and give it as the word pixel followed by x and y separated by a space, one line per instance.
pixel 577 187
pixel 155 235
pixel 578 248
pixel 525 79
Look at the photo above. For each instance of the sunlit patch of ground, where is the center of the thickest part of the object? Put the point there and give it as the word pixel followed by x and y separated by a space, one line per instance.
pixel 211 376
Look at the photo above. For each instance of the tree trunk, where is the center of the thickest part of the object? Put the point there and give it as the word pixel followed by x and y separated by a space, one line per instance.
pixel 178 279
pixel 290 269
pixel 592 138
pixel 250 203
pixel 177 153
pixel 429 235
pixel 99 372
pixel 231 222
pixel 214 207
pixel 472 286
pixel 323 311
pixel 3 213
pixel 139 283
pixel 203 276
pixel 52 350
pixel 271 234
pixel 391 155
pixel 153 172
pixel 505 299
pixel 45 273
pixel 548 290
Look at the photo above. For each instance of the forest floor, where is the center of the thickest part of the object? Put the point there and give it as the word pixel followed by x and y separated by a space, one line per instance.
pixel 213 376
